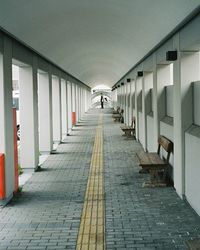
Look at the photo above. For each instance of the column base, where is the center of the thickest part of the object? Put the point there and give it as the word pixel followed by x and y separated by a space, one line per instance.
pixel 5 201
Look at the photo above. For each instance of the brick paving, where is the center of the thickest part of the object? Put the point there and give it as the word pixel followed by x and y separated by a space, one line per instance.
pixel 46 215
pixel 140 218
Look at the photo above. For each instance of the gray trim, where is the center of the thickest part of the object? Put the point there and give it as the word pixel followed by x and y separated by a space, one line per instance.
pixel 181 25
pixel 11 36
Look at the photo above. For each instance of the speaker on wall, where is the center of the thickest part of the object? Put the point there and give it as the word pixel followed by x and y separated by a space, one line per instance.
pixel 171 55
pixel 140 73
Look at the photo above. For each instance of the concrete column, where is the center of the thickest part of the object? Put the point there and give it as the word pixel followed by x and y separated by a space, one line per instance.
pixel 75 101
pixel 118 96
pixel 64 108
pixel 139 125
pixel 89 100
pixel 124 99
pixel 133 98
pixel 144 94
pixel 56 108
pixel 6 118
pixel 79 103
pixel 126 104
pixel 155 106
pixel 82 102
pixel 186 70
pixel 69 105
pixel 73 98
pixel 147 84
pixel 130 102
pixel 29 138
pixel 85 98
pixel 45 112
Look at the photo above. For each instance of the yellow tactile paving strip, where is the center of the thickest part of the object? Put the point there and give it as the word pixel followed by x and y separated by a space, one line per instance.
pixel 91 234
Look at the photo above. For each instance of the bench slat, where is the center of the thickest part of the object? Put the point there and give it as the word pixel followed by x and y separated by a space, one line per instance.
pixel 165 143
pixel 150 159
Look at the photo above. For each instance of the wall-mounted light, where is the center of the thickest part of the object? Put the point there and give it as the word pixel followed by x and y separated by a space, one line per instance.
pixel 140 73
pixel 128 80
pixel 171 55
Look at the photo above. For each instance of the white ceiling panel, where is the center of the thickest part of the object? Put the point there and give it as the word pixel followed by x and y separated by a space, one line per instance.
pixel 97 41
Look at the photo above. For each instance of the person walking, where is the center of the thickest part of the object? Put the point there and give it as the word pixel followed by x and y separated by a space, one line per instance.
pixel 101 101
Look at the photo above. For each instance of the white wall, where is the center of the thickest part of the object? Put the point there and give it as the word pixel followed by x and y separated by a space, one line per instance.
pixel 196 94
pixel 150 134
pixel 169 100
pixel 192 169
pixel 140 128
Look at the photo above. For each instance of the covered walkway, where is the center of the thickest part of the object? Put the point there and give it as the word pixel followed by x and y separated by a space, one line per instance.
pixel 95 167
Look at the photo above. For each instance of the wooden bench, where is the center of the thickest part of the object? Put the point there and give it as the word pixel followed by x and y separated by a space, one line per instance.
pixel 118 117
pixel 155 164
pixel 129 130
pixel 117 111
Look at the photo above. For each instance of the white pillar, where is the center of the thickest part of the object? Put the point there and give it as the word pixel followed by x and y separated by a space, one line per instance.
pixel 85 97
pixel 6 117
pixel 77 103
pixel 29 139
pixel 56 108
pixel 82 102
pixel 69 105
pixel 146 103
pixel 64 108
pixel 186 70
pixel 130 103
pixel 45 112
pixel 139 125
pixel 73 98
pixel 126 103
pixel 144 94
pixel 155 105
pixel 118 97
pixel 123 97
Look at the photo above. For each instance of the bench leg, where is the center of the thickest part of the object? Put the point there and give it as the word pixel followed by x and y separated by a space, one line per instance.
pixel 128 133
pixel 143 171
pixel 155 179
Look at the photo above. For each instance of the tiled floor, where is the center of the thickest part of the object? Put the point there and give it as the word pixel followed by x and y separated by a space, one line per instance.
pixel 47 214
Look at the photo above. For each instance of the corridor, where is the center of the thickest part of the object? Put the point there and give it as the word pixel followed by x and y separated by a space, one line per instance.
pixel 49 211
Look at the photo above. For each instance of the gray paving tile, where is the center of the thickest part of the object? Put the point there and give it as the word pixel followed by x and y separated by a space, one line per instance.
pixel 142 218
pixel 46 215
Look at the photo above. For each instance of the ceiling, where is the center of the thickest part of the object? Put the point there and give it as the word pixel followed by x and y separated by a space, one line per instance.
pixel 97 41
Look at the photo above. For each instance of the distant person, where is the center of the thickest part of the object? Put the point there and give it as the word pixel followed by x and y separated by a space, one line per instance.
pixel 101 101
